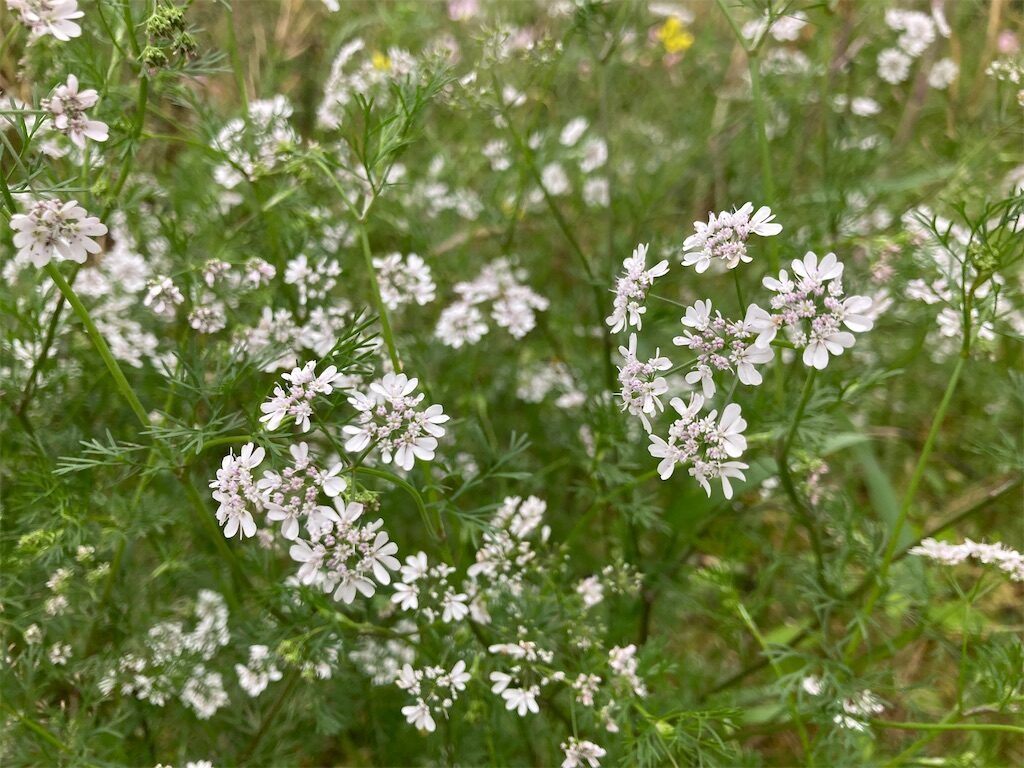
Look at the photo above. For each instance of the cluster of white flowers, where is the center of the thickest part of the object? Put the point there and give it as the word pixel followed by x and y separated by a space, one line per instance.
pixel 381 659
pixel 236 491
pixel 707 443
pixel 1006 559
pixel 513 306
pixel 857 710
pixel 812 310
pixel 642 384
pixel 49 17
pixel 434 690
pixel 260 671
pixel 535 382
pixel 304 385
pixel 520 686
pixel 427 590
pixel 624 663
pixel 631 290
pixel 294 493
pixel 253 146
pixel 917 33
pixel 404 279
pixel 369 78
pixel 390 419
pixel 724 237
pixel 56 231
pixel 174 662
pixel 67 106
pixel 162 296
pixel 278 340
pixel 722 345
pixel 344 555
pixel 313 278
pixel 785 28
pixel 581 753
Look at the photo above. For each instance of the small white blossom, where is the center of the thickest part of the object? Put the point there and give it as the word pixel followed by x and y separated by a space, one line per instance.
pixel 67 107
pixel 724 237
pixel 631 290
pixel 55 231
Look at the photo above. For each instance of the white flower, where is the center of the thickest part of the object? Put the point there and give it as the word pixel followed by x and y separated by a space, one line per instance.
pixel 631 289
pixel 389 418
pixel 724 237
pixel 237 493
pixel 573 130
pixel 49 17
pixel 259 673
pixel 345 556
pixel 942 74
pixel 723 345
pixel 67 105
pixel 1007 559
pixel 581 753
pixel 404 279
pixel 52 230
pixel 292 495
pixel 591 591
pixel 303 387
pixel 642 387
pixel 704 443
pixel 418 715
pixel 893 66
pixel 59 654
pixel 554 179
pixel 812 310
pixel 522 700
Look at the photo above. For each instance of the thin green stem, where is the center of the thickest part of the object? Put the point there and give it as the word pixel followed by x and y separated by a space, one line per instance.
pixel 378 302
pixel 416 497
pixel 981 727
pixel 100 344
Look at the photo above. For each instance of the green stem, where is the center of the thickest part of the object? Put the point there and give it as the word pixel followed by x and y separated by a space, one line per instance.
pixel 908 500
pixel 983 727
pixel 101 346
pixel 382 311
pixel 416 497
pixel 786 478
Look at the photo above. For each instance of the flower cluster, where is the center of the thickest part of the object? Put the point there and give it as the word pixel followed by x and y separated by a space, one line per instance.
pixel 513 306
pixel 49 17
pixel 581 753
pixel 297 402
pixel 390 418
pixel 174 662
pixel 53 230
pixel 344 555
pixel 313 278
pixel 708 443
pixel 369 78
pixel 427 590
pixel 642 386
pixel 260 671
pixel 67 106
pixel 294 493
pixel 812 310
pixel 252 146
pixel 434 690
pixel 857 710
pixel 631 289
pixel 404 279
pixel 722 345
pixel 1006 559
pixel 724 237
pixel 520 686
pixel 237 493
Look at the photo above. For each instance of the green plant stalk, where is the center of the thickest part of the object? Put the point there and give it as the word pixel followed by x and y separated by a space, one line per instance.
pixel 378 303
pixel 100 344
pixel 908 499
pixel 786 478
pixel 982 727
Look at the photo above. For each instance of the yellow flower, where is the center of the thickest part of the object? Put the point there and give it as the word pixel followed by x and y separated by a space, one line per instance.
pixel 381 61
pixel 674 35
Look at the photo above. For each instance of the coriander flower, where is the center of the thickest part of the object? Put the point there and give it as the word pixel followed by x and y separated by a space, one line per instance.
pixel 389 418
pixel 49 17
pixel 580 754
pixel 346 556
pixel 52 230
pixel 67 105
pixel 722 345
pixel 237 492
pixel 724 237
pixel 293 494
pixel 706 443
pixel 641 384
pixel 297 402
pixel 631 289
pixel 812 310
